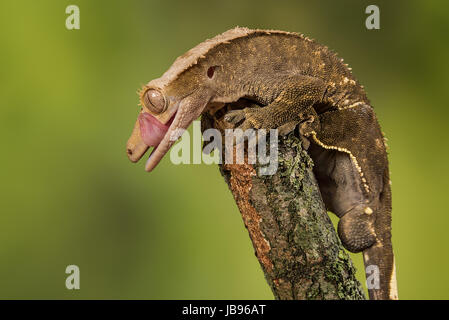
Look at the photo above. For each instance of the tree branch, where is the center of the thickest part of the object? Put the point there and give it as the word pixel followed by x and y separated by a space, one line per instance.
pixel 293 237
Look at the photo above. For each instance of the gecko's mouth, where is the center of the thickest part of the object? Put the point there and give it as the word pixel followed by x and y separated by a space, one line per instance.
pixel 150 133
pixel 151 130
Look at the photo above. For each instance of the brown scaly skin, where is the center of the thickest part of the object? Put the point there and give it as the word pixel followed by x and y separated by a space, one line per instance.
pixel 297 81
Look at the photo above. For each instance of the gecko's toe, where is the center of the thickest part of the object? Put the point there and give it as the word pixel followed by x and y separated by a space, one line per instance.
pixel 234 116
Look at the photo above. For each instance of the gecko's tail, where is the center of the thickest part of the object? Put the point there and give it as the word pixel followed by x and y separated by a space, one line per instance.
pixel 380 274
pixel 379 259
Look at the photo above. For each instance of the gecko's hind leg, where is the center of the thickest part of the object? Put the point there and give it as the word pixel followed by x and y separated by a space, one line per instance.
pixel 351 168
pixel 342 192
pixel 341 168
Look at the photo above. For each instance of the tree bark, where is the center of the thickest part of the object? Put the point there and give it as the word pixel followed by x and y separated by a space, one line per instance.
pixel 293 237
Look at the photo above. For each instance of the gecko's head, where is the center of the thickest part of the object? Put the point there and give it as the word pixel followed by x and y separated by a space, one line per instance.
pixel 167 110
pixel 172 102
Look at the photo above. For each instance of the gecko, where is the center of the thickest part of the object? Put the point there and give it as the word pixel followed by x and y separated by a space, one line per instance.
pixel 294 82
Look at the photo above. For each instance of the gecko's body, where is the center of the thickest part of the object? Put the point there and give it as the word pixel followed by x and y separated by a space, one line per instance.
pixel 299 83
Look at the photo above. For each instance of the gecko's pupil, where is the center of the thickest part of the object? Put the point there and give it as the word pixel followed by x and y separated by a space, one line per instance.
pixel 154 100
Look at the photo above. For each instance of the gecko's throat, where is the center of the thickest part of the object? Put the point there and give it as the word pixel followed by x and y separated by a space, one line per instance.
pixel 151 130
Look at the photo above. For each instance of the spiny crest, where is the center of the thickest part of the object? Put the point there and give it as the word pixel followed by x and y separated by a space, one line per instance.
pixel 192 57
pixel 140 93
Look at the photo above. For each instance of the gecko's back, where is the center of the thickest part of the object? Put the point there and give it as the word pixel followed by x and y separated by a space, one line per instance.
pixel 289 53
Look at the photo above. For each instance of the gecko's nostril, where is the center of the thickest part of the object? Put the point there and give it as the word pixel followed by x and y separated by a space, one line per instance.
pixel 129 152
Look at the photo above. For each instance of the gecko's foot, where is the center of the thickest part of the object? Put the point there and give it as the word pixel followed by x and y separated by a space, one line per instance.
pixel 238 117
pixel 243 119
pixel 234 116
pixel 249 118
pixel 356 229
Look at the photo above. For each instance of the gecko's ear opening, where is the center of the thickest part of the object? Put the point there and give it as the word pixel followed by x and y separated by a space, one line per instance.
pixel 210 72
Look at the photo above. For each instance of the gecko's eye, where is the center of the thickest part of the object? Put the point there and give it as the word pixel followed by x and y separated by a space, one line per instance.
pixel 154 101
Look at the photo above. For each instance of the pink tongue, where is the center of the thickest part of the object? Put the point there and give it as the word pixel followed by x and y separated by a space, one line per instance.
pixel 151 130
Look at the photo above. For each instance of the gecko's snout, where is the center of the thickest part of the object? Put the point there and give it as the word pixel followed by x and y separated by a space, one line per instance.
pixel 135 147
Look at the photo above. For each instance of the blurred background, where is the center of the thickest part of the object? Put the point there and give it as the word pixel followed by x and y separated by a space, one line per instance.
pixel 68 101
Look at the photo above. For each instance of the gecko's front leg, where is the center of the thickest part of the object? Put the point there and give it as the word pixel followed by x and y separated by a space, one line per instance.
pixel 292 105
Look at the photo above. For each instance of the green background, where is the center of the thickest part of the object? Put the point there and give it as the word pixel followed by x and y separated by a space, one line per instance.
pixel 69 195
